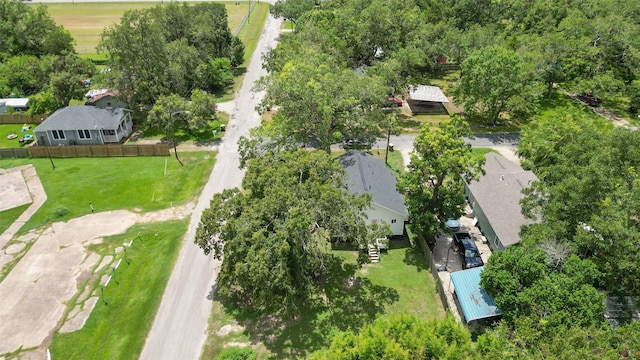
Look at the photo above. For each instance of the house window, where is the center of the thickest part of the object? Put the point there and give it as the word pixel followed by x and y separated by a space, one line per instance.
pixel 84 134
pixel 393 221
pixel 58 134
pixel 108 132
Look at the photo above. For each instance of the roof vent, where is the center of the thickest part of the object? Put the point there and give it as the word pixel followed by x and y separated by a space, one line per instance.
pixel 501 177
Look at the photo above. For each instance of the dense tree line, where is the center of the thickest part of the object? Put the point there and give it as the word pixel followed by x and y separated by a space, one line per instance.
pixel 170 49
pixel 512 54
pixel 38 59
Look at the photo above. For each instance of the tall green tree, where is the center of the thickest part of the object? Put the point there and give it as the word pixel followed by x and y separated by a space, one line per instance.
pixel 491 78
pixel 319 102
pixel 273 235
pixel 167 50
pixel 29 30
pixel 524 283
pixel 440 162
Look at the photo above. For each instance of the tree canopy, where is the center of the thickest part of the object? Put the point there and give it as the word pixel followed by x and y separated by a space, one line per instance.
pixel 441 161
pixel 273 235
pixel 491 80
pixel 170 49
pixel 402 337
pixel 587 193
pixel 37 58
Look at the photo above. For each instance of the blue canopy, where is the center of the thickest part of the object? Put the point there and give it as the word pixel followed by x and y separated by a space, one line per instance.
pixel 475 302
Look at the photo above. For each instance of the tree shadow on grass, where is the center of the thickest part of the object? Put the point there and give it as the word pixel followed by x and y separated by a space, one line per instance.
pixel 346 302
pixel 414 257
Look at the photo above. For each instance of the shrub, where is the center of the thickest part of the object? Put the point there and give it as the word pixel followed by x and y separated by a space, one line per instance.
pixel 237 353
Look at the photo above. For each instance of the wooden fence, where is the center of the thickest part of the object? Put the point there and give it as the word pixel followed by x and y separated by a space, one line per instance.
pixel 14 153
pixel 89 151
pixel 426 252
pixel 20 118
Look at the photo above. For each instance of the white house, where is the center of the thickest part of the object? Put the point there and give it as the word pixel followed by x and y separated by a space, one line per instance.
pixel 367 174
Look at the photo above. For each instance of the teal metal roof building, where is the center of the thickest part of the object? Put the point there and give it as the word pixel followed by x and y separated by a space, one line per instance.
pixel 476 304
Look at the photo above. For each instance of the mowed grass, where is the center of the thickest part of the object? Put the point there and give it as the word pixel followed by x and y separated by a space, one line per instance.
pixel 404 269
pixel 118 329
pixel 87 21
pixel 8 216
pixel 400 283
pixel 6 129
pixel 133 183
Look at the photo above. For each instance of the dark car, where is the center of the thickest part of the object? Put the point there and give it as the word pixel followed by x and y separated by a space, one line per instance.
pixel 355 143
pixel 590 99
pixel 466 247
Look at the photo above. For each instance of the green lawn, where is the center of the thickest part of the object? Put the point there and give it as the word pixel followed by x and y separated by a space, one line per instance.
pixel 400 283
pixel 6 129
pixel 118 329
pixel 561 103
pixel 7 217
pixel 134 183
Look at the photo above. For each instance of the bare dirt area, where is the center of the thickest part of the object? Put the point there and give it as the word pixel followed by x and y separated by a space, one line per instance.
pixel 34 295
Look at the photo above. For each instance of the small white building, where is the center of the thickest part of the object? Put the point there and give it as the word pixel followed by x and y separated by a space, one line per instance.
pixel 17 104
pixel 424 99
pixel 368 174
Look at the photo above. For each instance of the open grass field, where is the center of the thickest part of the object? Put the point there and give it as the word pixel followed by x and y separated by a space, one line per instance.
pixel 86 21
pixel 134 183
pixel 400 283
pixel 117 330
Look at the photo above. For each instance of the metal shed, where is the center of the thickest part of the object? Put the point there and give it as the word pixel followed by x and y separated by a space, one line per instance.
pixel 476 304
pixel 424 99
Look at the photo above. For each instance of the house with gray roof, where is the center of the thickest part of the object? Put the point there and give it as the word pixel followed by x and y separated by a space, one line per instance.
pixel 84 125
pixel 425 99
pixel 495 200
pixel 368 174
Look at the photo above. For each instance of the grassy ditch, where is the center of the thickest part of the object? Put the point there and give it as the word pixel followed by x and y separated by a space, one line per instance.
pixel 123 316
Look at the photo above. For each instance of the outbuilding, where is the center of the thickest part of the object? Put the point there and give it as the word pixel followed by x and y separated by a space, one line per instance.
pixel 424 99
pixel 17 104
pixel 474 301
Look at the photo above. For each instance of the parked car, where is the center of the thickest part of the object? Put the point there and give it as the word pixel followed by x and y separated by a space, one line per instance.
pixel 355 143
pixel 452 224
pixel 466 247
pixel 589 99
pixel 393 101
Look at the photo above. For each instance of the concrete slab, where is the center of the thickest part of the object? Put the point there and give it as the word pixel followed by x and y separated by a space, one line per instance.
pixel 13 190
pixel 80 318
pixel 34 296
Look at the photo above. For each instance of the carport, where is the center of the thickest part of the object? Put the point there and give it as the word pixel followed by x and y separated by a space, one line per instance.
pixel 476 304
pixel 424 99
